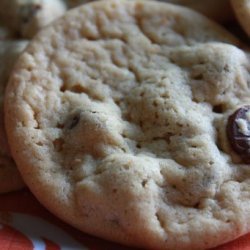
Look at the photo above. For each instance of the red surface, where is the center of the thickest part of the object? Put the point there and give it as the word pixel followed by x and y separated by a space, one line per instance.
pixel 25 202
pixel 14 240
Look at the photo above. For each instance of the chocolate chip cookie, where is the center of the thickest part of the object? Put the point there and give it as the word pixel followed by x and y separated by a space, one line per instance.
pixel 117 117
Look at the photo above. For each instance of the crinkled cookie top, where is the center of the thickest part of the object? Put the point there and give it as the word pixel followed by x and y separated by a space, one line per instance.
pixel 117 116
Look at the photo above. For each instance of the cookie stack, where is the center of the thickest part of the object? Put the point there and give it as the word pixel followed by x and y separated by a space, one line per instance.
pixel 130 120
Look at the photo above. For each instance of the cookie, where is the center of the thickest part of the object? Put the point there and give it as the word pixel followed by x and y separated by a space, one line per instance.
pixel 10 178
pixel 27 17
pixel 242 11
pixel 116 116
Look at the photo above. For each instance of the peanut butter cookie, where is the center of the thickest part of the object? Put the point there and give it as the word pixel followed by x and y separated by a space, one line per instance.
pixel 117 116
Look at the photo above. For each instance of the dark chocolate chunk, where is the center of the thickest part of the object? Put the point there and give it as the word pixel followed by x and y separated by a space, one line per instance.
pixel 238 132
pixel 74 121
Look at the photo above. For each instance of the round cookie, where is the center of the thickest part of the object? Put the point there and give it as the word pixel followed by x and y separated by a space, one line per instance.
pixel 27 17
pixel 10 178
pixel 242 11
pixel 116 116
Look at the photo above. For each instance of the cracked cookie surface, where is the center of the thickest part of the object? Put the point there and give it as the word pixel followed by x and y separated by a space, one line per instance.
pixel 10 178
pixel 116 117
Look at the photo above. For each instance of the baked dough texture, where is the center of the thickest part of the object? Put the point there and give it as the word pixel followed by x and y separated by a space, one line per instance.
pixel 242 11
pixel 10 178
pixel 116 117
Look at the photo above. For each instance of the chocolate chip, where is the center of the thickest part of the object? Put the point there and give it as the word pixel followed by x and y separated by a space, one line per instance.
pixel 74 121
pixel 238 132
pixel 218 109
